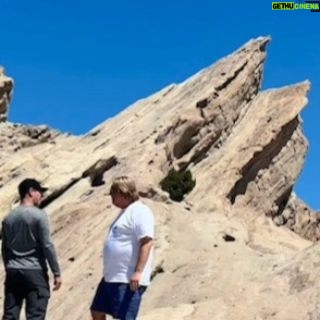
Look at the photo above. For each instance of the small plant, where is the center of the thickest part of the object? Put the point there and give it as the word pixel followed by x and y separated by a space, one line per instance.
pixel 178 183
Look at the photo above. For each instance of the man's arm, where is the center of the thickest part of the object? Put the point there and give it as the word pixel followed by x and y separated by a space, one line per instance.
pixel 3 247
pixel 146 245
pixel 49 249
pixel 144 232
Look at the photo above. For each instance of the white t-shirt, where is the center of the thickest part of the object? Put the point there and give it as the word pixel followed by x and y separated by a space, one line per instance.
pixel 121 248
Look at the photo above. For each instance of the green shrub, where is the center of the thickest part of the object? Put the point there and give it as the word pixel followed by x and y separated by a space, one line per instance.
pixel 178 183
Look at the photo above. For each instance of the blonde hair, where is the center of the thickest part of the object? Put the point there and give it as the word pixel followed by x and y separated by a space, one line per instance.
pixel 125 186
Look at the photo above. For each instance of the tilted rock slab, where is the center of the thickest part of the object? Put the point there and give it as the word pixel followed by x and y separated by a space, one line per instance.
pixel 219 253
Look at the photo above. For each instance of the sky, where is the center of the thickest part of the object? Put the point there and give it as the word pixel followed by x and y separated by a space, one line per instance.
pixel 77 63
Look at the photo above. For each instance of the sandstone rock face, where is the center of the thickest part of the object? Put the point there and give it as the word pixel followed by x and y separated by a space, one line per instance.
pixel 6 87
pixel 219 253
pixel 16 136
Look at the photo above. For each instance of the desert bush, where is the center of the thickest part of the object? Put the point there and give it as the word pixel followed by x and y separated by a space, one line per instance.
pixel 178 183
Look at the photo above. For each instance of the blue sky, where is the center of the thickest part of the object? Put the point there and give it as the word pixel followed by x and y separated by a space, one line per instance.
pixel 77 63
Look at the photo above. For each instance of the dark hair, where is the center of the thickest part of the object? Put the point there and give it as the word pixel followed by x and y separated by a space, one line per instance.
pixel 27 184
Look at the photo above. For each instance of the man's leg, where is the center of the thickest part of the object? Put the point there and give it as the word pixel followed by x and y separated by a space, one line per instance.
pixel 12 305
pixel 38 293
pixel 129 302
pixel 36 305
pixel 13 296
pixel 98 315
pixel 100 304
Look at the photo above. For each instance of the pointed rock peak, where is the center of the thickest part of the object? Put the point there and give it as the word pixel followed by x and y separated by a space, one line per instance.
pixel 302 88
pixel 260 42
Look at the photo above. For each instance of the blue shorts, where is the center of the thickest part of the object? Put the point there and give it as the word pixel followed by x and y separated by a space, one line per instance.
pixel 117 300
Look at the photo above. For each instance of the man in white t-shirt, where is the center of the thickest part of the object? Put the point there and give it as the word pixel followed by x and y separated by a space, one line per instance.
pixel 127 255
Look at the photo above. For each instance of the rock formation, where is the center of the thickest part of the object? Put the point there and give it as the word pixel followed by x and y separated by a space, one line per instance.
pixel 220 253
pixel 6 85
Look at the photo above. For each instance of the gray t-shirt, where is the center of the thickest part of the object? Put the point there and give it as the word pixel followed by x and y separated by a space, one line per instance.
pixel 26 240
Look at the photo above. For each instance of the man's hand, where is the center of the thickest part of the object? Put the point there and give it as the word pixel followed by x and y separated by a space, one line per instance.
pixel 57 283
pixel 134 281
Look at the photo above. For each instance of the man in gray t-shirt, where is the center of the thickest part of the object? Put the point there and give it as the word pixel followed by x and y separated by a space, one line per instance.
pixel 27 247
